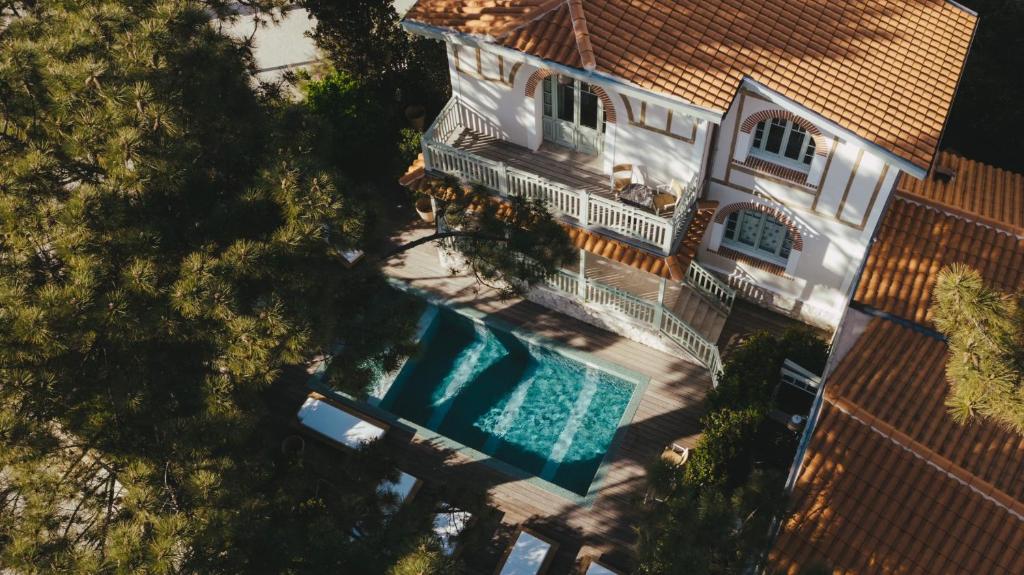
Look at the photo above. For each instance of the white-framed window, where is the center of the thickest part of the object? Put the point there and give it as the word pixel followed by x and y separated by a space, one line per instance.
pixel 759 235
pixel 783 141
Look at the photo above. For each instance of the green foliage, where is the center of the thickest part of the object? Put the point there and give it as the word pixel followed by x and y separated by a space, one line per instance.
pixel 169 243
pixel 985 330
pixel 425 559
pixel 710 530
pixel 719 506
pixel 725 452
pixel 509 244
pixel 752 372
pixel 364 39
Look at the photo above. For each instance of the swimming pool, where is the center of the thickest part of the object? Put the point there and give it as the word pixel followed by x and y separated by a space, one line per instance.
pixel 523 403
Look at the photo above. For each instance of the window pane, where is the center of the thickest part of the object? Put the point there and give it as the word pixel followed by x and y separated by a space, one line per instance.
pixel 588 110
pixel 775 133
pixel 730 225
pixel 787 245
pixel 809 153
pixel 771 236
pixel 547 97
pixel 759 134
pixel 795 145
pixel 566 101
pixel 750 224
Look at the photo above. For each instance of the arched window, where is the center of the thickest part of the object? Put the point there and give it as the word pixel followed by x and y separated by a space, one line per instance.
pixel 758 234
pixel 779 140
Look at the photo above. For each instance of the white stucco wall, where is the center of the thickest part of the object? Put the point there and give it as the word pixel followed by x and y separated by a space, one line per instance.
pixel 835 216
pixel 486 90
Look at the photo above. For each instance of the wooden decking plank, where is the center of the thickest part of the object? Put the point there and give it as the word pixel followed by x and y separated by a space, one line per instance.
pixel 669 410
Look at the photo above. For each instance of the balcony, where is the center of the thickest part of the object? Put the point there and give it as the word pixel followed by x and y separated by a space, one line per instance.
pixel 464 144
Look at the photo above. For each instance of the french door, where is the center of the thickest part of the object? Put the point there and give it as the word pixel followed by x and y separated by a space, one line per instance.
pixel 573 115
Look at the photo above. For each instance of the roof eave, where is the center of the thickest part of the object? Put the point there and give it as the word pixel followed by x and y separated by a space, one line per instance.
pixel 476 41
pixel 903 164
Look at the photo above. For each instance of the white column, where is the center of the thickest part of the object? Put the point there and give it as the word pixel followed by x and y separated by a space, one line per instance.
pixel 717 231
pixel 791 263
pixel 584 216
pixel 742 145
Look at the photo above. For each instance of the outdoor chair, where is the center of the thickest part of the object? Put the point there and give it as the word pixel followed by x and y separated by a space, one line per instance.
pixel 623 175
pixel 530 554
pixel 675 455
pixel 448 526
pixel 668 197
pixel 339 424
pixel 591 566
pixel 404 489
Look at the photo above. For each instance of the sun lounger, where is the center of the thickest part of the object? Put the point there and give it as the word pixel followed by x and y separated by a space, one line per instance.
pixel 339 424
pixel 448 526
pixel 402 490
pixel 591 566
pixel 531 554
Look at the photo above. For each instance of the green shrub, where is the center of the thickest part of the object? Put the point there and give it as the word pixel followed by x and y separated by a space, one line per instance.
pixel 752 371
pixel 724 453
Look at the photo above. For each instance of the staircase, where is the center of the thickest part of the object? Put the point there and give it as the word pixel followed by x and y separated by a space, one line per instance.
pixel 704 316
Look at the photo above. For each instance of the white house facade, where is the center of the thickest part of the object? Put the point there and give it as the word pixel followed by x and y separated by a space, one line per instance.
pixel 743 169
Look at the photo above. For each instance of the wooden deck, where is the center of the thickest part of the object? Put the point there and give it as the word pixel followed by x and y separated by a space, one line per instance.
pixel 552 162
pixel 668 411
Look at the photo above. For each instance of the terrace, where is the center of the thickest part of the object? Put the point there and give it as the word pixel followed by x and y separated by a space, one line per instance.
pixel 668 412
pixel 464 144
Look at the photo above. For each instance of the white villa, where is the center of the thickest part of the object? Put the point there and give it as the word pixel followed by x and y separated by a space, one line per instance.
pixel 699 151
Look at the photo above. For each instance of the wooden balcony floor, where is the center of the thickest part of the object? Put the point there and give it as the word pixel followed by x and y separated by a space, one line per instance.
pixel 552 162
pixel 669 411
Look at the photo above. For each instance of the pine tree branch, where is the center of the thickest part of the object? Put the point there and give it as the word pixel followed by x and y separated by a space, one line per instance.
pixel 440 236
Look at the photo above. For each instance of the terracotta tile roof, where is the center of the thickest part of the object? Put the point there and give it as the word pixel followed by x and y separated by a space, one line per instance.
pixel 977 190
pixel 885 69
pixel 865 504
pixel 915 241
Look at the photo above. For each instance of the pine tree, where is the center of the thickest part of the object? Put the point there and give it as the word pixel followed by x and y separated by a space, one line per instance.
pixel 985 332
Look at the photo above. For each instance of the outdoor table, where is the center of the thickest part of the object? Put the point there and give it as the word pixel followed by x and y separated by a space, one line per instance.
pixel 638 195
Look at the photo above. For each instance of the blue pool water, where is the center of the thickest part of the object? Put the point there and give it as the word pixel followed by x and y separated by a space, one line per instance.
pixel 521 403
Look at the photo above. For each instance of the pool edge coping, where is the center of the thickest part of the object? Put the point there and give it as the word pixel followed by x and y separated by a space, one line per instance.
pixel 639 380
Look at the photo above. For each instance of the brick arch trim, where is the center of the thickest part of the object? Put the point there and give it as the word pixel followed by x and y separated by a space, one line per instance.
pixel 798 238
pixel 537 77
pixel 821 143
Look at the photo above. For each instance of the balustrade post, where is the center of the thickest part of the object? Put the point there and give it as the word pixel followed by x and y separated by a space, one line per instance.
pixel 581 284
pixel 584 217
pixel 503 179
pixel 659 310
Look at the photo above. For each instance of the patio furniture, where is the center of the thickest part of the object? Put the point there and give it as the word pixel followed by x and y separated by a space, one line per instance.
pixel 623 175
pixel 638 195
pixel 591 566
pixel 403 489
pixel 338 423
pixel 448 525
pixel 530 554
pixel 675 455
pixel 667 197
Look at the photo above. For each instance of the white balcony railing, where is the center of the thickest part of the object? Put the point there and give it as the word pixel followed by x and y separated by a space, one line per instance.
pixel 652 314
pixel 587 209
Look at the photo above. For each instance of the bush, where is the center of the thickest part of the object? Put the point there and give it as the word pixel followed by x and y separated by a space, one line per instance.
pixel 752 372
pixel 724 455
pixel 360 134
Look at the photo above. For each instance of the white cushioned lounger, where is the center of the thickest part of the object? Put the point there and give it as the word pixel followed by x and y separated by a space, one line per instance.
pixel 596 568
pixel 337 424
pixel 403 489
pixel 448 526
pixel 531 554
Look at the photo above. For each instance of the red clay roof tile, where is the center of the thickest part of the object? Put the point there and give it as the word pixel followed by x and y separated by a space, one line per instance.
pixel 885 69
